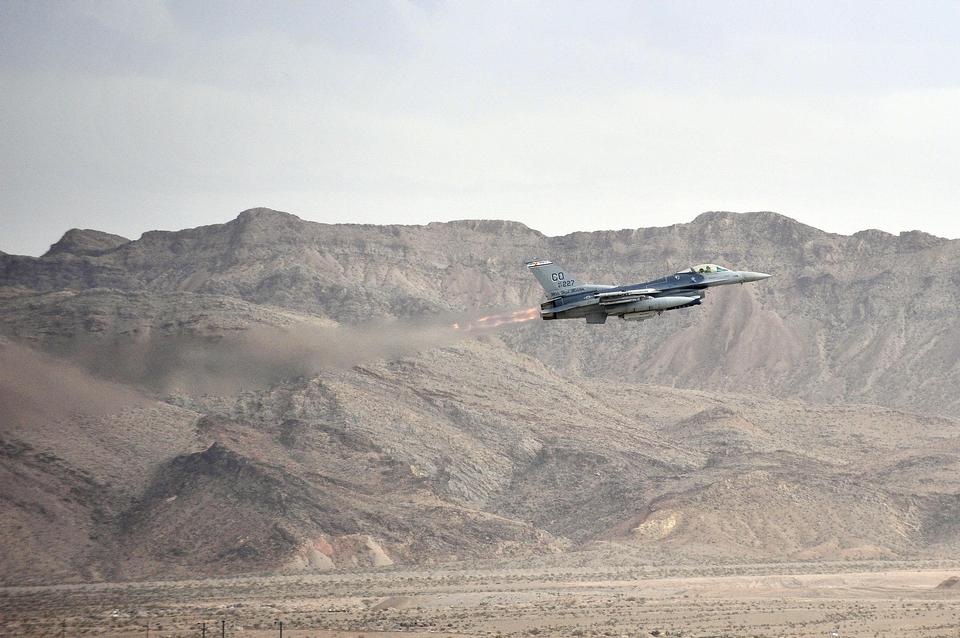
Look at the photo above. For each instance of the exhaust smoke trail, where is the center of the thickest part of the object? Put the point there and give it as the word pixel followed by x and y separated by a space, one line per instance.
pixel 35 387
pixel 258 356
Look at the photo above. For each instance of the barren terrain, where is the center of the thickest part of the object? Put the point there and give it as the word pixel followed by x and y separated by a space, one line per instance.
pixel 321 417
pixel 867 599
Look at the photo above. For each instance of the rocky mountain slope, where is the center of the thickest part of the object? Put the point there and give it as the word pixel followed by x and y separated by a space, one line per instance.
pixel 465 452
pixel 867 318
pixel 272 394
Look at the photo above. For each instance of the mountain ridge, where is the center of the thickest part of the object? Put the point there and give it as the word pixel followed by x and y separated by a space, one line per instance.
pixel 259 214
pixel 839 316
pixel 277 395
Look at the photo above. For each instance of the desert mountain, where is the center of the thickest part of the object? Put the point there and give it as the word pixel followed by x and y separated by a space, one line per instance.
pixel 273 394
pixel 867 318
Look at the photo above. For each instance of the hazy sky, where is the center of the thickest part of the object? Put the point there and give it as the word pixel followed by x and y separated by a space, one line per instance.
pixel 128 116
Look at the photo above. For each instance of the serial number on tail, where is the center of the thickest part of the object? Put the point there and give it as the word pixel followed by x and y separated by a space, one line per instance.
pixel 561 281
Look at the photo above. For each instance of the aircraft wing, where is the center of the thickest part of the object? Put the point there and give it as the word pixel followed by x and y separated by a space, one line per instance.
pixel 624 296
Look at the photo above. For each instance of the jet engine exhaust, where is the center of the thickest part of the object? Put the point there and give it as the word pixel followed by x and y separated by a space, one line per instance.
pixel 493 321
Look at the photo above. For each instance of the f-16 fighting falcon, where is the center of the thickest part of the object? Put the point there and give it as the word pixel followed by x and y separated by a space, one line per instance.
pixel 571 299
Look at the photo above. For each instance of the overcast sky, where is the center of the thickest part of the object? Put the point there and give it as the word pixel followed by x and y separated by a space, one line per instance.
pixel 129 116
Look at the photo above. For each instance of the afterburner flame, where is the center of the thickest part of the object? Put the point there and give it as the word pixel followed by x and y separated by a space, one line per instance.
pixel 502 319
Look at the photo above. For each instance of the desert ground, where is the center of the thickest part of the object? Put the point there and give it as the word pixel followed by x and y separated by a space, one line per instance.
pixel 801 599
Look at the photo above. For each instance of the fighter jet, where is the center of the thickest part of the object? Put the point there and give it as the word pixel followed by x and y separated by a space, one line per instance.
pixel 570 299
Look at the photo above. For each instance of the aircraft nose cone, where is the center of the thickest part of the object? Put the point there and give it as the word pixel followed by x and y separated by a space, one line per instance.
pixel 754 276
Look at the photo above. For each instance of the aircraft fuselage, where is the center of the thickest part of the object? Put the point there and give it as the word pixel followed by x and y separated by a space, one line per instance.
pixel 570 299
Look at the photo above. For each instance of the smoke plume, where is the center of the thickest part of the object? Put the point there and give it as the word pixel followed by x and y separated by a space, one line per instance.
pixel 34 385
pixel 256 357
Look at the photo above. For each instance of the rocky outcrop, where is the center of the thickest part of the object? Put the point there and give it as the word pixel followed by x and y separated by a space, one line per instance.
pixel 85 243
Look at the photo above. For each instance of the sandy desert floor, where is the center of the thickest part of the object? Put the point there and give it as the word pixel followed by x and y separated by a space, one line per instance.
pixel 840 599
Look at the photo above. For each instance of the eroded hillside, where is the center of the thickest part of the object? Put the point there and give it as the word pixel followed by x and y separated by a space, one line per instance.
pixel 272 394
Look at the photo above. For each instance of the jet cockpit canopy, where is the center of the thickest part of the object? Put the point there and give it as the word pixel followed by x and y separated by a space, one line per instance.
pixel 706 268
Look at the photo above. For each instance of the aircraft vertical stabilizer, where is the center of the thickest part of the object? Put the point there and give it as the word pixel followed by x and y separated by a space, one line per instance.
pixel 552 277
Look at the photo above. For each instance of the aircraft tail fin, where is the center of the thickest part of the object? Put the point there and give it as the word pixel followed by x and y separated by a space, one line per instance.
pixel 552 277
